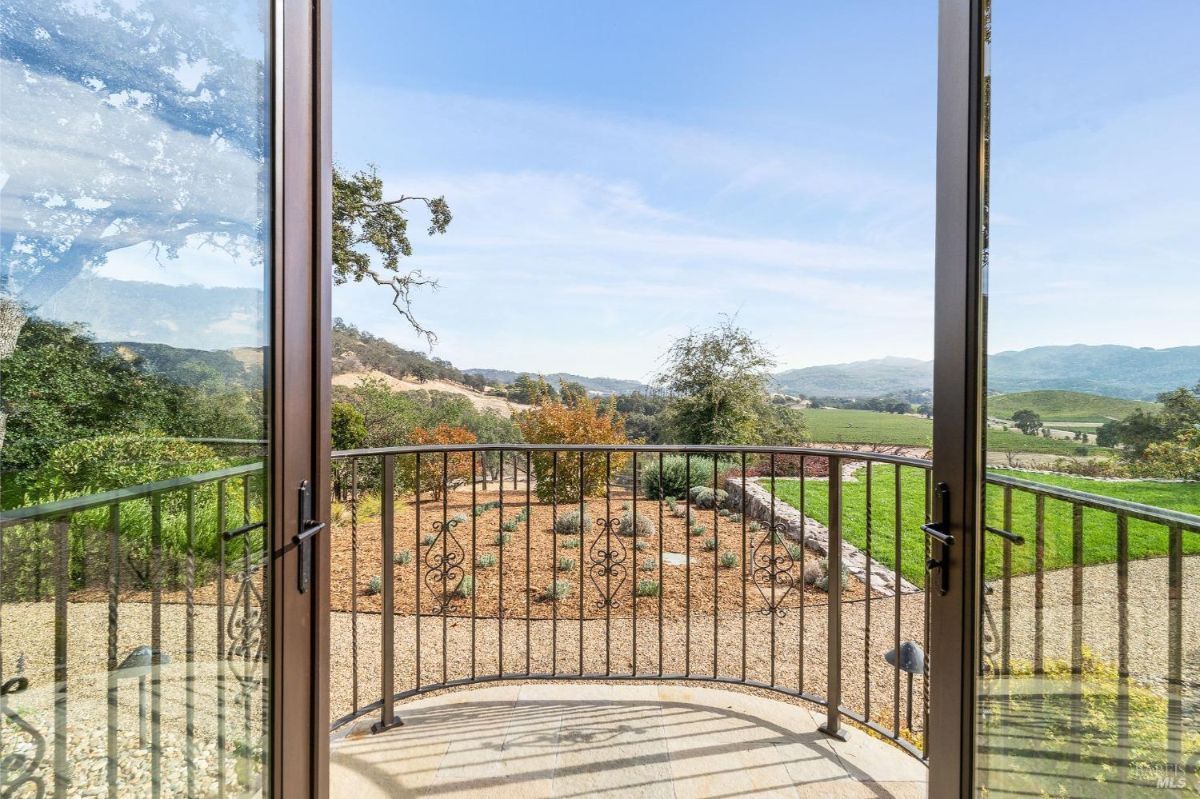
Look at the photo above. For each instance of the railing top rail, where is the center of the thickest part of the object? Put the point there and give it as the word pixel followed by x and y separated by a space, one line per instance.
pixel 668 449
pixel 66 507
pixel 1134 510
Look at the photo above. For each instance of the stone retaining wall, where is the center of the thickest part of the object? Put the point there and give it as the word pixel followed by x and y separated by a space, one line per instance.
pixel 815 536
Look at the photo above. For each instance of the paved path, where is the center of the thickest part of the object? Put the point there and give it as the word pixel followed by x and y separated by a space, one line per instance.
pixel 531 741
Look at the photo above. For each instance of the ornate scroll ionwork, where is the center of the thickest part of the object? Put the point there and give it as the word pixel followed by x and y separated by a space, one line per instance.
pixel 773 573
pixel 606 559
pixel 20 763
pixel 244 629
pixel 444 560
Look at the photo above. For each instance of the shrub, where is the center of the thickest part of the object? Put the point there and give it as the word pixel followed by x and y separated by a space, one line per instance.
pixel 375 585
pixel 429 540
pixel 735 518
pixel 817 575
pixel 754 527
pixel 674 474
pixel 796 552
pixel 705 497
pixel 698 529
pixel 642 526
pixel 723 513
pixel 503 538
pixel 586 421
pixel 671 504
pixel 648 565
pixel 403 557
pixel 486 560
pixel 557 591
pixel 569 543
pixel 566 564
pixel 465 587
pixel 729 560
pixel 647 588
pixel 569 522
pixel 509 526
pixel 640 545
pixel 710 544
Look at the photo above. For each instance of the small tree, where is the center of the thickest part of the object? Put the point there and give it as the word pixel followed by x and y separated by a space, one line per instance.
pixel 587 422
pixel 438 471
pixel 348 428
pixel 717 380
pixel 1027 422
pixel 1178 458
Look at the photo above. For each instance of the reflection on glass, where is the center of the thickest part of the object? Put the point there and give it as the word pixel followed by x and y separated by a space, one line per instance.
pixel 134 200
pixel 1091 653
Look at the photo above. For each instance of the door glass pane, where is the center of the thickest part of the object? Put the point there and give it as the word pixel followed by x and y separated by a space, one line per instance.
pixel 1091 655
pixel 134 199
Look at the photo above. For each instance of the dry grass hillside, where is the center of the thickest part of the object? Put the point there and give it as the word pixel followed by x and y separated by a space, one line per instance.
pixel 480 401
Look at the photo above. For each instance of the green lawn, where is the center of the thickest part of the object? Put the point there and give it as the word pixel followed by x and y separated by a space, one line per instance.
pixel 837 425
pixel 1099 532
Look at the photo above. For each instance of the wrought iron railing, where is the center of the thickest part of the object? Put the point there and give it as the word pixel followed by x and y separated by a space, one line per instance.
pixel 158 588
pixel 446 583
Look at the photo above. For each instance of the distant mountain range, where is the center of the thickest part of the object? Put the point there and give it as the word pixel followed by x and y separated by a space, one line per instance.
pixel 596 385
pixel 1135 373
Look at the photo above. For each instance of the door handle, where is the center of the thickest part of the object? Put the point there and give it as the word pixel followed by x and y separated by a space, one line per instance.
pixel 937 531
pixel 303 538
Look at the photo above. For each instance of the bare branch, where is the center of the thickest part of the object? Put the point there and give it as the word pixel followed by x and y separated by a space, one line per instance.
pixel 402 286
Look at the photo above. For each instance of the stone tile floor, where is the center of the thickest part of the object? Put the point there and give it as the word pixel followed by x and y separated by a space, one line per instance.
pixel 577 740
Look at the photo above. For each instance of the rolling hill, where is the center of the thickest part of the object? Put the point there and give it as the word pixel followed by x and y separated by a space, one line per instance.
pixel 1064 406
pixel 858 380
pixel 596 385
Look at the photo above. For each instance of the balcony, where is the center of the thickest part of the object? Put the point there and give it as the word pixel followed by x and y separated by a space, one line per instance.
pixel 721 644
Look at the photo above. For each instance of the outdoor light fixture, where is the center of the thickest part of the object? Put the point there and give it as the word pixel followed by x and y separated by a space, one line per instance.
pixel 139 663
pixel 912 661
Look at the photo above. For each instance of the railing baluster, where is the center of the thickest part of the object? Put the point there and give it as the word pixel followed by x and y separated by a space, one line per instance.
pixel 156 645
pixel 633 583
pixel 114 587
pixel 742 555
pixel 716 556
pixel 1039 584
pixel 1123 641
pixel 608 596
pixel 222 526
pixel 189 639
pixel 1006 589
pixel 774 563
pixel 387 626
pixel 1175 646
pixel 867 606
pixel 445 535
pixel 354 583
pixel 1076 589
pixel 500 577
pixel 418 555
pixel 833 698
pixel 897 555
pixel 554 561
pixel 582 550
pixel 529 560
pixel 662 578
pixel 62 550
pixel 475 557
pixel 803 585
pixel 687 566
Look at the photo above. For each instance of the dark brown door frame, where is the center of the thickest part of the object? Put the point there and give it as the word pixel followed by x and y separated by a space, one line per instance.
pixel 299 403
pixel 958 398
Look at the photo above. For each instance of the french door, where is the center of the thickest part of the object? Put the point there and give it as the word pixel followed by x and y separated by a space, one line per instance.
pixel 164 318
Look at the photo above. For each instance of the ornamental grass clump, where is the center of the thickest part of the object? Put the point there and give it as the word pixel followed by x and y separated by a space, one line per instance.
pixel 566 564
pixel 486 560
pixel 729 560
pixel 647 588
pixel 642 526
pixel 375 585
pixel 569 543
pixel 698 529
pixel 403 557
pixel 569 522
pixel 503 537
pixel 710 544
pixel 465 587
pixel 648 565
pixel 704 497
pixel 429 540
pixel 557 591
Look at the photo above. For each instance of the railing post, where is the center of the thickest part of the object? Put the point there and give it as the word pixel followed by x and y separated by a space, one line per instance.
pixel 833 699
pixel 388 717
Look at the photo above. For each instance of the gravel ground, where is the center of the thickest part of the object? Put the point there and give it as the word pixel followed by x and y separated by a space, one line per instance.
pixel 26 631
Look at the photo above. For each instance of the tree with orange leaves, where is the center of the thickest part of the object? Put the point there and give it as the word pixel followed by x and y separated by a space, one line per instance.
pixel 438 470
pixel 588 421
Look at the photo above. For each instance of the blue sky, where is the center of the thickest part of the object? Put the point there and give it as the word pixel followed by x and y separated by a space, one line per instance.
pixel 622 172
